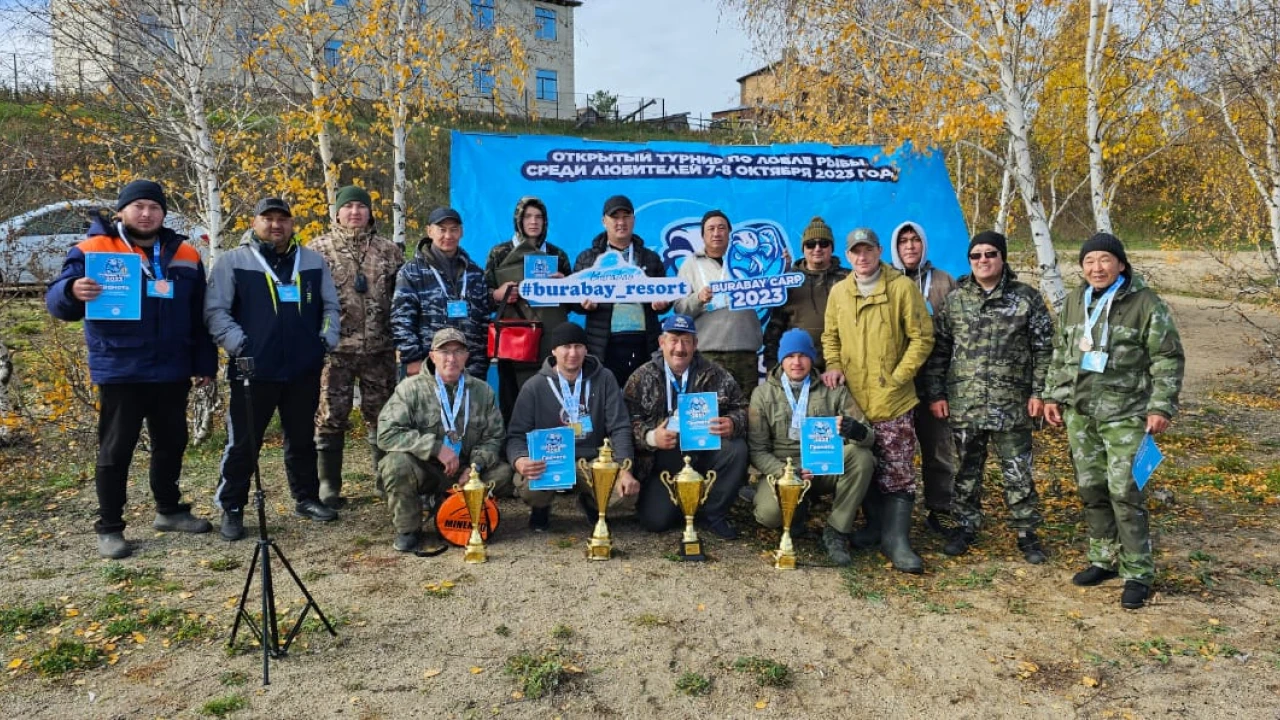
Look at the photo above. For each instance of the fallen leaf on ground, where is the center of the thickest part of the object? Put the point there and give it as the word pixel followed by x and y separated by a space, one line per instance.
pixel 1088 681
pixel 476 669
pixel 432 672
pixel 16 663
pixel 762 704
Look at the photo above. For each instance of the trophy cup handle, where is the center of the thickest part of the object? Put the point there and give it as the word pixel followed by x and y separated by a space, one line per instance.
pixel 706 490
pixel 773 483
pixel 585 468
pixel 805 491
pixel 666 479
pixel 626 465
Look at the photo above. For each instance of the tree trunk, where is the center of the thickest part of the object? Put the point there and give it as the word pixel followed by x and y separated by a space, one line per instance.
pixel 1006 191
pixel 1095 46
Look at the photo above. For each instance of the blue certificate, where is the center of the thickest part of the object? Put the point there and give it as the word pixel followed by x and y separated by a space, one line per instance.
pixel 1146 461
pixel 539 267
pixel 120 275
pixel 821 447
pixel 696 411
pixel 555 448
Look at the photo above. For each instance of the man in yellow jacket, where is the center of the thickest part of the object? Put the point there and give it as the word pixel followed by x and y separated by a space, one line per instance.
pixel 877 336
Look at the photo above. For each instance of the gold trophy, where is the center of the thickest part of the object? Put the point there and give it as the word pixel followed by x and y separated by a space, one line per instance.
pixel 689 490
pixel 601 476
pixel 475 492
pixel 790 491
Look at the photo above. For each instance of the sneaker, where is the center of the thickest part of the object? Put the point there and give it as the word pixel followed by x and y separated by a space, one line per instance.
pixel 1093 575
pixel 314 510
pixel 1134 596
pixel 540 519
pixel 959 542
pixel 837 545
pixel 232 525
pixel 588 505
pixel 112 545
pixel 721 528
pixel 1029 544
pixel 181 522
pixel 407 541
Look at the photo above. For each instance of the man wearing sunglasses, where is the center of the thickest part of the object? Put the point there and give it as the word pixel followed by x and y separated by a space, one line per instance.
pixel 937 456
pixel 993 341
pixel 806 305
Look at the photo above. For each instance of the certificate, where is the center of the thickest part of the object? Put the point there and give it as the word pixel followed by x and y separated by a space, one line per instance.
pixel 821 447
pixel 696 411
pixel 539 267
pixel 554 447
pixel 1146 461
pixel 120 275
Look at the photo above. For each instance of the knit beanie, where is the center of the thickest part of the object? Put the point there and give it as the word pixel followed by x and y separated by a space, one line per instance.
pixel 1105 242
pixel 351 192
pixel 568 333
pixel 817 229
pixel 713 214
pixel 994 239
pixel 142 190
pixel 797 340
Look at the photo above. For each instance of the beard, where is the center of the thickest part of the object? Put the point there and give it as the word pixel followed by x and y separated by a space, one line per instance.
pixel 138 234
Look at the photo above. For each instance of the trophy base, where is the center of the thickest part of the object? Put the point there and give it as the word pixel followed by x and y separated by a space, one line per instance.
pixel 599 549
pixel 691 551
pixel 475 554
pixel 784 561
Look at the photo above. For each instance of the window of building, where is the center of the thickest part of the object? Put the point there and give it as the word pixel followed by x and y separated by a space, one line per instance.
pixel 544 21
pixel 482 14
pixel 332 53
pixel 341 3
pixel 155 28
pixel 482 78
pixel 548 85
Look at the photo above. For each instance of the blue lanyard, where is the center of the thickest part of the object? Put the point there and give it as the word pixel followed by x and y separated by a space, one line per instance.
pixel 1102 308
pixel 568 395
pixel 799 408
pixel 449 415
pixel 679 386
pixel 155 260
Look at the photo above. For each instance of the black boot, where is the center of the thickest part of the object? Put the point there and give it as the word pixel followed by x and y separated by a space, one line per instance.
pixel 895 541
pixel 1029 544
pixel 330 470
pixel 868 536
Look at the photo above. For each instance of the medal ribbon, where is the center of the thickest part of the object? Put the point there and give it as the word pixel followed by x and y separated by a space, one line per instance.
pixel 799 408
pixel 445 290
pixel 297 257
pixel 154 272
pixel 1101 310
pixel 568 395
pixel 671 383
pixel 449 415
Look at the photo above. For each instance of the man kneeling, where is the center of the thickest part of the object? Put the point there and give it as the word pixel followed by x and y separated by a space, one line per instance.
pixel 792 392
pixel 433 429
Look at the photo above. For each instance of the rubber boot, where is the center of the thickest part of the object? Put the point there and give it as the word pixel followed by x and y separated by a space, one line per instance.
pixel 379 485
pixel 330 468
pixel 868 536
pixel 895 542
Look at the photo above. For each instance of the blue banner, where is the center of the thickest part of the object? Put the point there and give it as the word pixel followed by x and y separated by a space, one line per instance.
pixel 769 193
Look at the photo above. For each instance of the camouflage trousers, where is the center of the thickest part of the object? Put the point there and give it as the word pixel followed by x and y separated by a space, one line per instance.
pixel 377 376
pixel 1114 508
pixel 895 449
pixel 743 365
pixel 408 478
pixel 1014 449
pixel 847 491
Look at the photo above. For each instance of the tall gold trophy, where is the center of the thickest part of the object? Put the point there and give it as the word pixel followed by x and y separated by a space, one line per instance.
pixel 689 490
pixel 790 491
pixel 475 492
pixel 601 475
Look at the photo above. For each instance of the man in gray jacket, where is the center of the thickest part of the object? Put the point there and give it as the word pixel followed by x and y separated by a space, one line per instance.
pixel 272 305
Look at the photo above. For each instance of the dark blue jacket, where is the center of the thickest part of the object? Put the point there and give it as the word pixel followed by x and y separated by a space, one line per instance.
pixel 169 343
pixel 420 307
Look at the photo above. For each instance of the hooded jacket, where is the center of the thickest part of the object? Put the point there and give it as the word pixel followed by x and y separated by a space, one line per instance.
pixel 1145 361
pixel 599 320
pixel 538 408
pixel 411 421
pixel 364 317
pixel 879 342
pixel 506 264
pixel 720 330
pixel 420 306
pixel 934 284
pixel 246 317
pixel 805 308
pixel 769 419
pixel 169 343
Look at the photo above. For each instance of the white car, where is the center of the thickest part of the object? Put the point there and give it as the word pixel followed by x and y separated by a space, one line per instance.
pixel 34 244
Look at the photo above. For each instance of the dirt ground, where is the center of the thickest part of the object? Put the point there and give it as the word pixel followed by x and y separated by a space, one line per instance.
pixel 981 636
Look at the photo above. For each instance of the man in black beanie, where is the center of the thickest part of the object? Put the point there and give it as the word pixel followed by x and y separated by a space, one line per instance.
pixel 1115 377
pixel 572 390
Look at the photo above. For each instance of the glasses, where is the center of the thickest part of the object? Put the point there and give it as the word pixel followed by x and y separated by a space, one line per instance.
pixel 811 244
pixel 988 254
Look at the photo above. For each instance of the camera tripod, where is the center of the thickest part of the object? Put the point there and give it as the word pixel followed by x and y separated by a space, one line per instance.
pixel 267 629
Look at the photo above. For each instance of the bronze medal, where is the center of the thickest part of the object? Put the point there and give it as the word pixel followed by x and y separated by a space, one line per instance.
pixel 1086 343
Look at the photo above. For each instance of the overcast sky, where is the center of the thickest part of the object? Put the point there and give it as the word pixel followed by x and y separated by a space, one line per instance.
pixel 686 51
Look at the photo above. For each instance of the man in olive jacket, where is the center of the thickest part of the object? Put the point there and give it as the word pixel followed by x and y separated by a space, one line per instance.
pixel 1115 377
pixel 773 436
pixel 432 430
pixel 993 338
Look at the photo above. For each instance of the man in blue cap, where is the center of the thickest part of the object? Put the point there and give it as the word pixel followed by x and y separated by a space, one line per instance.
pixel 652 399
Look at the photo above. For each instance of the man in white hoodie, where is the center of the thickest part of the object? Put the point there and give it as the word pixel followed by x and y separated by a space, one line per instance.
pixel 910 251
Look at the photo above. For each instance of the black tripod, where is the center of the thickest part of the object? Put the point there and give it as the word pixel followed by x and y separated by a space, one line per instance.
pixel 269 633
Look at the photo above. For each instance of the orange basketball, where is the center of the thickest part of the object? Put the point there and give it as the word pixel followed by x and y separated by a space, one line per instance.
pixel 454 523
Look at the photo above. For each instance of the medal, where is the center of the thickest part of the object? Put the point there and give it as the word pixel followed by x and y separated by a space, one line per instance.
pixel 453 435
pixel 1086 343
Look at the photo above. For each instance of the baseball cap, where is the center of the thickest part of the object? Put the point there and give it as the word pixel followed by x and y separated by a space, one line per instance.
pixel 444 336
pixel 863 236
pixel 266 205
pixel 441 214
pixel 679 324
pixel 616 203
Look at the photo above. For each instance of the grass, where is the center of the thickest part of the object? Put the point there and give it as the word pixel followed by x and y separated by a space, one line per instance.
pixel 235 678
pixel 142 577
pixel 65 656
pixel 562 632
pixel 973 580
pixel 767 672
pixel 27 617
pixel 223 564
pixel 538 674
pixel 225 705
pixel 112 605
pixel 502 631
pixel 650 620
pixel 855 583
pixel 691 683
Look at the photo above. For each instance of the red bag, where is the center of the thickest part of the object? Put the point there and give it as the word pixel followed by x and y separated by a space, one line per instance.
pixel 515 339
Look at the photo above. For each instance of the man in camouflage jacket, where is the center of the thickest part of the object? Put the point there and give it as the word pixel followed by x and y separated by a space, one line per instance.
pixel 993 339
pixel 1115 377
pixel 364 266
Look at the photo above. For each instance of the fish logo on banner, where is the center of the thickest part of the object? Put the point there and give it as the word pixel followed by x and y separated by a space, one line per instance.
pixel 757 248
pixel 115 270
pixel 554 446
